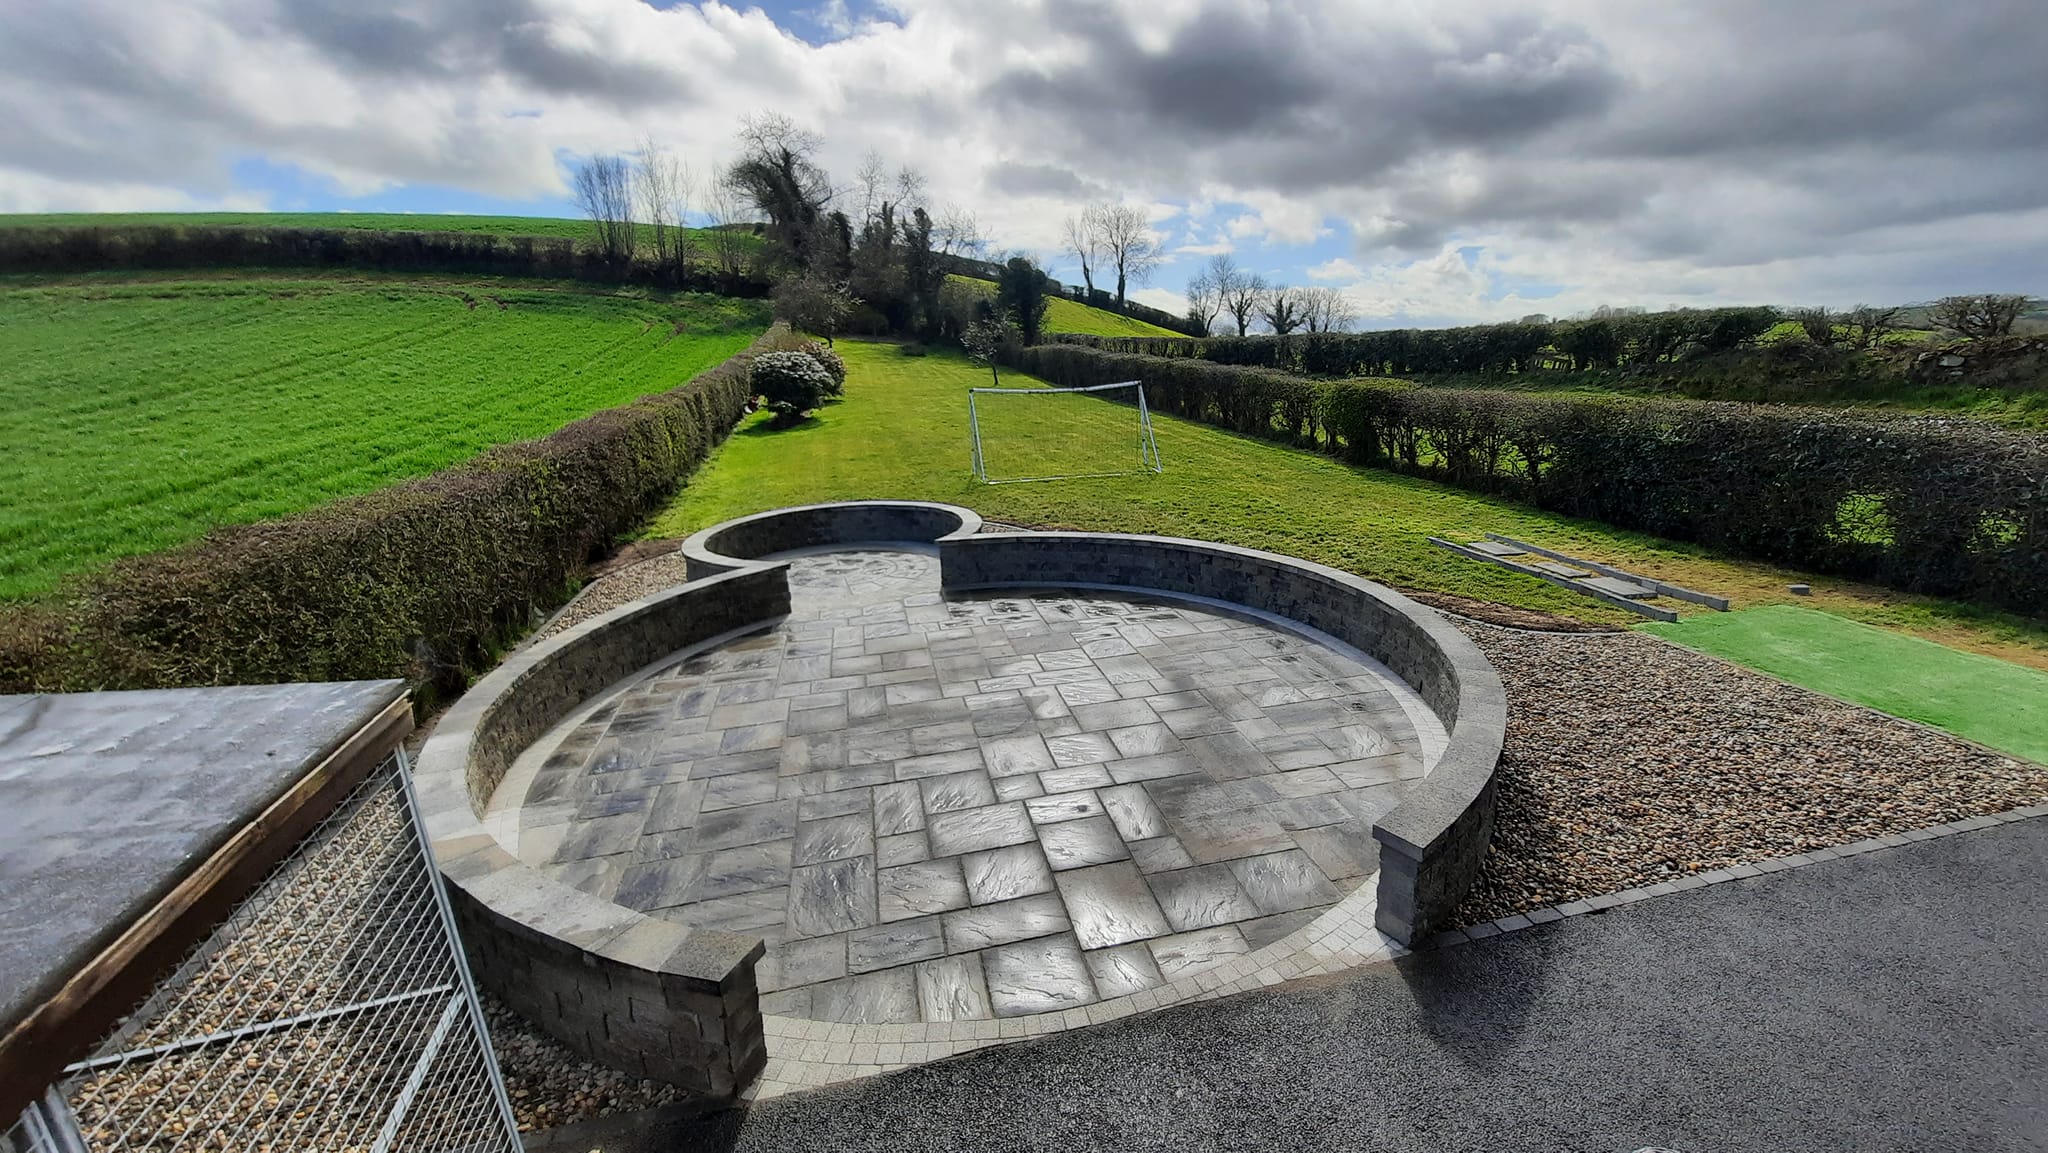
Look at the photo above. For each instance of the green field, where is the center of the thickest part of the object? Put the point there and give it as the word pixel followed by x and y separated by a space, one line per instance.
pixel 554 226
pixel 1988 701
pixel 901 432
pixel 1063 315
pixel 135 415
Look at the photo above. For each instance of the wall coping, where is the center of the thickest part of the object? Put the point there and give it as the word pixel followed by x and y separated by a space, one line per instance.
pixel 721 547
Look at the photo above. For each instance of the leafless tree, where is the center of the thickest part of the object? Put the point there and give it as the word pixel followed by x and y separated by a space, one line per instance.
pixel 1989 314
pixel 1124 240
pixel 1237 290
pixel 1281 309
pixel 1326 310
pixel 1205 300
pixel 871 178
pixel 604 191
pixel 729 242
pixel 1080 243
pixel 663 186
pixel 778 171
pixel 1868 325
pixel 959 233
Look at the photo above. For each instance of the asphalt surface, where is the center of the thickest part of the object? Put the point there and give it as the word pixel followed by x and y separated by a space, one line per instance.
pixel 1895 1000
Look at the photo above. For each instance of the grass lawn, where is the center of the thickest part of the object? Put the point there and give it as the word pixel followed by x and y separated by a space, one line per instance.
pixel 135 415
pixel 901 433
pixel 1988 701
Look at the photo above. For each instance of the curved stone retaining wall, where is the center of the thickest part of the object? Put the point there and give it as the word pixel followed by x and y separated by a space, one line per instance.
pixel 637 993
pixel 727 546
pixel 1432 845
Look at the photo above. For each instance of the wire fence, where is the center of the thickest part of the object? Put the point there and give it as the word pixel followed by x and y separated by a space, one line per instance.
pixel 331 1011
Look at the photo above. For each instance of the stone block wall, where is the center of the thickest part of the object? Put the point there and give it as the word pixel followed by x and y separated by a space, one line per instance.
pixel 1432 845
pixel 736 543
pixel 636 993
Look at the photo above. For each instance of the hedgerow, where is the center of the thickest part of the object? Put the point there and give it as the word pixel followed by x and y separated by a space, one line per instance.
pixel 1941 506
pixel 421 580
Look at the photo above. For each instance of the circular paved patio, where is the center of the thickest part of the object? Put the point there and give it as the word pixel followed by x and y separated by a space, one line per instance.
pixel 993 805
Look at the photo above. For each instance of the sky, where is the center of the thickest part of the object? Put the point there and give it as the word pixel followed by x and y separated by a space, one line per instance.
pixel 1439 161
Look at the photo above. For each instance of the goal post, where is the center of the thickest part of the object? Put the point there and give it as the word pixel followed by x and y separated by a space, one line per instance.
pixel 1030 434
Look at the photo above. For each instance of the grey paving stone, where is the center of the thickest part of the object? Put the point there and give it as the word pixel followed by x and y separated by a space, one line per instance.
pixel 898 808
pixel 1123 970
pixel 1078 843
pixel 752 824
pixel 1006 873
pixel 1190 953
pixel 1037 977
pixel 915 890
pixel 657 884
pixel 759 912
pixel 985 925
pixel 1265 930
pixel 1159 854
pixel 1278 882
pixel 725 872
pixel 1230 835
pixel 957 791
pixel 939 764
pixel 1201 897
pixel 832 897
pixel 1018 788
pixel 971 830
pixel 1080 749
pixel 1341 851
pixel 820 806
pixel 953 989
pixel 806 962
pixel 1074 779
pixel 1110 905
pixel 1012 756
pixel 1131 810
pixel 1054 807
pixel 901 849
pixel 885 997
pixel 833 838
pixel 731 792
pixel 895 943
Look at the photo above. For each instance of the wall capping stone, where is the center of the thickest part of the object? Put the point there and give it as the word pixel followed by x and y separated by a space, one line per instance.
pixel 737 543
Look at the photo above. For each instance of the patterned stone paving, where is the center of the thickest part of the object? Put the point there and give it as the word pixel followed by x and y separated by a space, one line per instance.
pixel 985 807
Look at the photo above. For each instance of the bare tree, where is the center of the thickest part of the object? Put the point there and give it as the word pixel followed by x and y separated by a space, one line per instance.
pixel 959 233
pixel 1869 325
pixel 1124 240
pixel 1326 310
pixel 1205 301
pixel 729 247
pixel 1281 309
pixel 604 191
pixel 1238 291
pixel 663 187
pixel 1980 316
pixel 778 171
pixel 870 179
pixel 1081 244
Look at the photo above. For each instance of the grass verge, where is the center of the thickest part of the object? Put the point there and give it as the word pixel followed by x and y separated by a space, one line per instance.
pixel 1988 701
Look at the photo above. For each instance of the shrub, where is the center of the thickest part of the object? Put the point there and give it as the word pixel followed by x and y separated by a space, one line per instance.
pixel 912 349
pixel 422 580
pixel 1788 484
pixel 790 383
pixel 830 361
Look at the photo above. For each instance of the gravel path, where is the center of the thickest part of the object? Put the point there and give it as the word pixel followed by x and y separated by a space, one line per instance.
pixel 1630 760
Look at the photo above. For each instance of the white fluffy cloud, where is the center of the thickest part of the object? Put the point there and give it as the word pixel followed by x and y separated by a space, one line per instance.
pixel 1586 150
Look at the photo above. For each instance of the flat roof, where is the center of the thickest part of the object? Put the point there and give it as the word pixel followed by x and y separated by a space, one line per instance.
pixel 109 800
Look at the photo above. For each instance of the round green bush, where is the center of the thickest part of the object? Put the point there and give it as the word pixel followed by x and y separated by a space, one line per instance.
pixel 792 383
pixel 831 363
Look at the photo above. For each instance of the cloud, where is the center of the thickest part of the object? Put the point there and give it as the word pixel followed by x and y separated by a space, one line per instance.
pixel 1599 150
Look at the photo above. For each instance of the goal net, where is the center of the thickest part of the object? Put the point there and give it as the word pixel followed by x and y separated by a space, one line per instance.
pixel 1019 434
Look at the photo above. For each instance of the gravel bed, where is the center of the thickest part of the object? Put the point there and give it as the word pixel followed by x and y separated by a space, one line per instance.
pixel 1630 760
pixel 617 587
pixel 550 1085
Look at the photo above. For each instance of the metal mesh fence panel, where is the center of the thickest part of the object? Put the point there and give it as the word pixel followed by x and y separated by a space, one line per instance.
pixel 331 1011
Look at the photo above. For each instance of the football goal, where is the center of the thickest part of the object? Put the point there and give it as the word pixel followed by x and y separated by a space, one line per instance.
pixel 1018 434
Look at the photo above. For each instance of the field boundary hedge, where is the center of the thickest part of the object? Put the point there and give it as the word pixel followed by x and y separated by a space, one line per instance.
pixel 102 248
pixel 1943 506
pixel 423 579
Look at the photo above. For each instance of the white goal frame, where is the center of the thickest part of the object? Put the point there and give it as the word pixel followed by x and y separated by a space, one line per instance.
pixel 1148 448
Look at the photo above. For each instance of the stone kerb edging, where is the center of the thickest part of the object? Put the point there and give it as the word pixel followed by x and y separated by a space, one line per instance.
pixel 1433 843
pixel 738 543
pixel 638 993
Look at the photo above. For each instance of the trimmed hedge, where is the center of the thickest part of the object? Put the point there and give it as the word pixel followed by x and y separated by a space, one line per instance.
pixel 421 580
pixel 1949 507
pixel 1639 340
pixel 53 250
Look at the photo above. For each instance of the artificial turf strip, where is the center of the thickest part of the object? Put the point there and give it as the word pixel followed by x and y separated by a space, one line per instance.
pixel 901 433
pixel 1989 701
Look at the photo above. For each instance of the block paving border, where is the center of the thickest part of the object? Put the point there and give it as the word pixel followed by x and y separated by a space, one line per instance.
pixel 805 1054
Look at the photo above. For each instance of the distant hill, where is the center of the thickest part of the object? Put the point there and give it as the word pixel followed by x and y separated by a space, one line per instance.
pixel 1071 316
pixel 547 226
